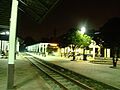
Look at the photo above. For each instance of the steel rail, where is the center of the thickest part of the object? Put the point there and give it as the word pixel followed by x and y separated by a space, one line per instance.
pixel 71 79
pixel 82 85
pixel 35 64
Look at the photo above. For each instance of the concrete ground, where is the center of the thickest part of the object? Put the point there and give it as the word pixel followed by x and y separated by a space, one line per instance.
pixel 99 72
pixel 26 77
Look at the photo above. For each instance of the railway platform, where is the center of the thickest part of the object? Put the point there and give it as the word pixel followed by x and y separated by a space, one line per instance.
pixel 100 72
pixel 26 76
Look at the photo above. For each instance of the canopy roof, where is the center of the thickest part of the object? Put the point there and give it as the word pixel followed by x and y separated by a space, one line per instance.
pixel 37 10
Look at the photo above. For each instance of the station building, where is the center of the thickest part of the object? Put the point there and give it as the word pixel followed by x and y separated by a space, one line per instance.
pixel 45 49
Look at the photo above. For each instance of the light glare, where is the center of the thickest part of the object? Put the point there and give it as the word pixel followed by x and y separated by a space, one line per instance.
pixel 7 33
pixel 83 29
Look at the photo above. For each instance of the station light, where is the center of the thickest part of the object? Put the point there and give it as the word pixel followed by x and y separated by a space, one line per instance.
pixel 5 33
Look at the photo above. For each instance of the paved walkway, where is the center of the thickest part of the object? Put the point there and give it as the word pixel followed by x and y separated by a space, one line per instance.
pixel 98 72
pixel 26 77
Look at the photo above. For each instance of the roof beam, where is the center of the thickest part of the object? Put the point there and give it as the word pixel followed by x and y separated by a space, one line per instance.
pixel 21 9
pixel 43 5
pixel 23 3
pixel 4 26
pixel 40 18
pixel 49 11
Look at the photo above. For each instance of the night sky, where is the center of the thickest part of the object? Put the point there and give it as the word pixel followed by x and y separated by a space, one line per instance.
pixel 91 13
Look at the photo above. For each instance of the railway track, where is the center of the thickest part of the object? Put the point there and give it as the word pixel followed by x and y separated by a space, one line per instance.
pixel 63 81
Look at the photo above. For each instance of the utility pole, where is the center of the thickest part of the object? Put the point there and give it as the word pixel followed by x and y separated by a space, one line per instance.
pixel 12 39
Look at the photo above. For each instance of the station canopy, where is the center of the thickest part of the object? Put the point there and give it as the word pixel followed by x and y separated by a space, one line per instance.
pixel 37 10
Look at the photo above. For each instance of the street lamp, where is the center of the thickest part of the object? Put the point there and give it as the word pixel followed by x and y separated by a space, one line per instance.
pixel 83 30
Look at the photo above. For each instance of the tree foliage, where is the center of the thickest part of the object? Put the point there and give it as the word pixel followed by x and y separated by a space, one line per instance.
pixel 73 36
pixel 86 40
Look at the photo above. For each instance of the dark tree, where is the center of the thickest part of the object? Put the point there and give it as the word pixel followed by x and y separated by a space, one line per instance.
pixel 29 41
pixel 110 37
